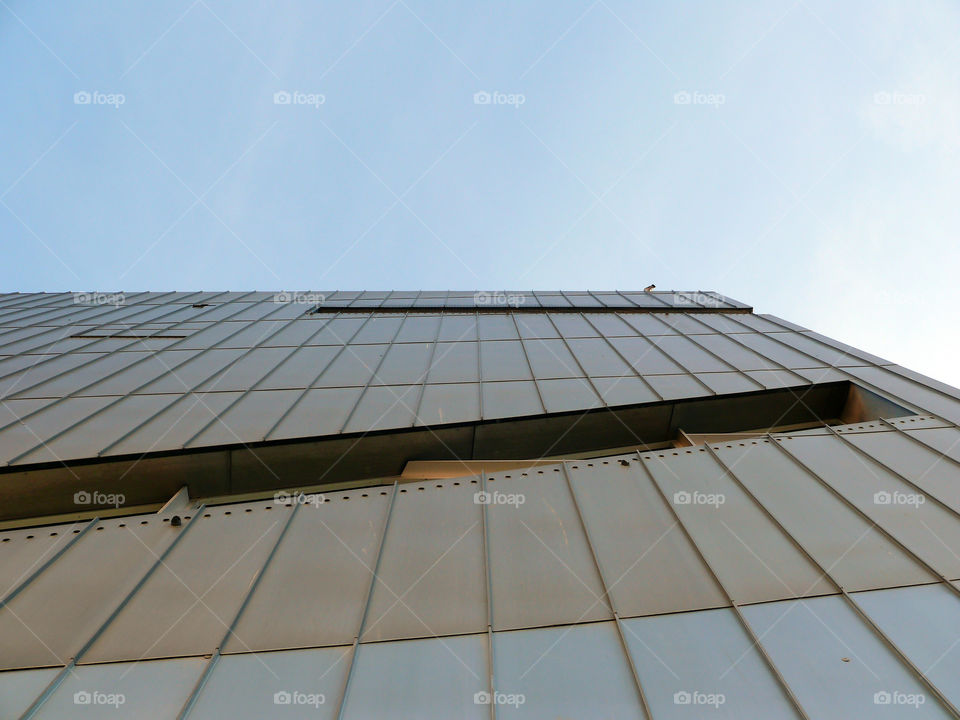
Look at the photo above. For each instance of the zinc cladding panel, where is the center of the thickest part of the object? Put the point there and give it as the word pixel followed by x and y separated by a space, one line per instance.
pixel 567 395
pixel 384 407
pixel 807 641
pixel 247 418
pixel 18 689
pixel 430 679
pixel 573 325
pixel 354 366
pixel 419 328
pixel 924 622
pixel 29 380
pixel 536 326
pixel 751 556
pixel 216 562
pixel 906 391
pixel 624 391
pixel 314 590
pixel 597 357
pixel 538 550
pixel 319 412
pixel 243 686
pixel 503 360
pixel 45 625
pixel 551 359
pixel 150 689
pixel 23 552
pixel 857 554
pixel 510 399
pixel 404 364
pixel 943 441
pixel 246 371
pixel 575 672
pixel 645 356
pixel 649 563
pixel 434 585
pixel 454 362
pixel 496 327
pixel 300 368
pixel 449 403
pixel 927 529
pixel 32 431
pixel 707 652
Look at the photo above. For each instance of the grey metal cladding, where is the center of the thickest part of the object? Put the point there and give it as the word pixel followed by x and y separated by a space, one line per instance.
pixel 61 609
pixel 649 564
pixel 751 556
pixel 833 662
pixel 417 581
pixel 538 550
pixel 577 671
pixel 856 552
pixel 686 660
pixel 313 591
pixel 186 605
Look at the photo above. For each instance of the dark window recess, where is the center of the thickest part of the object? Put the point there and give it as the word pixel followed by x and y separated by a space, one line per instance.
pixel 200 305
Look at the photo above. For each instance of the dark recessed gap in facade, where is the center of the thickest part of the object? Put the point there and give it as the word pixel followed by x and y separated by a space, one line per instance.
pixel 521 309
pixel 48 489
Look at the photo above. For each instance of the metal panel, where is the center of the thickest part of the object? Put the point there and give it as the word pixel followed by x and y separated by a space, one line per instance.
pixel 687 353
pixel 17 438
pixel 424 679
pixel 149 690
pixel 572 325
pixel 535 326
pixel 300 368
pixel 384 406
pixel 380 329
pixel 833 662
pixel 189 374
pixel 944 441
pixel 458 328
pixel 19 688
pixel 294 684
pixel 579 671
pixel 434 585
pixel 503 360
pixel 353 367
pixel 249 419
pixel 449 403
pixel 46 625
pixel 650 565
pixel 419 328
pixel 564 395
pixel 646 357
pixel 551 359
pixel 497 327
pixel 926 467
pixel 454 362
pixel 598 358
pixel 857 553
pixel 754 560
pixel 925 623
pixel 738 356
pixel 22 552
pixel 313 591
pixel 320 412
pixel 187 604
pixel 724 383
pixel 771 348
pixel 624 391
pixel 610 325
pixel 510 399
pixel 685 658
pixel 246 371
pixel 673 387
pixel 538 550
pixel 405 364
pixel 926 528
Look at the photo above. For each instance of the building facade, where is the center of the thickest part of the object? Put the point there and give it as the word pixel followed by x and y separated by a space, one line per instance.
pixel 468 505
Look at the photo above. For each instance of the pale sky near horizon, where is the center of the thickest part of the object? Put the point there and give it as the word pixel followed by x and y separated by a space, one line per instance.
pixel 798 156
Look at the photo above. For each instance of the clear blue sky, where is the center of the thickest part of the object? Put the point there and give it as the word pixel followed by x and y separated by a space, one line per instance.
pixel 813 172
